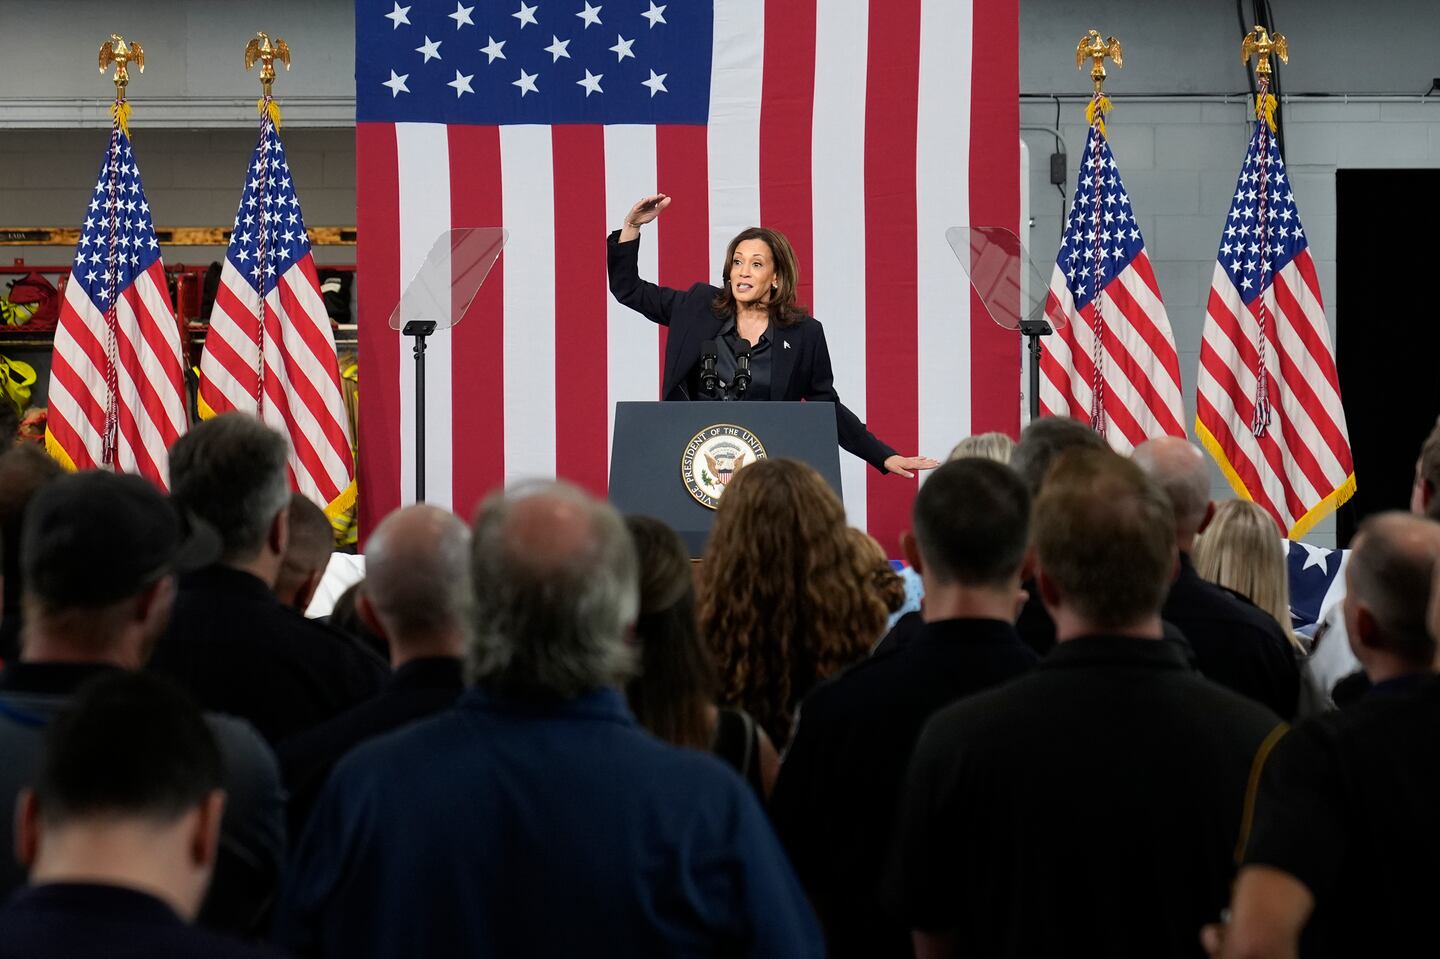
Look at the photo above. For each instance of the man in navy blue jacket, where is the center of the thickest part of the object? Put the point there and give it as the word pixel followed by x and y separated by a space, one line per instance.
pixel 536 818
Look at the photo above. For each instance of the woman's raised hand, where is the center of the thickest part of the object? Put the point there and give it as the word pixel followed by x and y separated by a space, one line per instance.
pixel 645 210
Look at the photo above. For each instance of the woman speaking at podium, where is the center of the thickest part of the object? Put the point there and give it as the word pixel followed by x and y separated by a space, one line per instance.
pixel 749 340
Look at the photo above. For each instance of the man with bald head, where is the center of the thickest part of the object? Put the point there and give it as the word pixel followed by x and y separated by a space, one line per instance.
pixel 1236 644
pixel 535 817
pixel 1341 861
pixel 1387 587
pixel 415 597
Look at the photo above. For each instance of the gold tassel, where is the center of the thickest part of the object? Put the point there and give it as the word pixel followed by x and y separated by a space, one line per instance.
pixel 1095 112
pixel 1265 109
pixel 273 109
pixel 120 115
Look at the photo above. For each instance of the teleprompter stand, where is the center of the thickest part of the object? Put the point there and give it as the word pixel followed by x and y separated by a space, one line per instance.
pixel 1010 288
pixel 436 299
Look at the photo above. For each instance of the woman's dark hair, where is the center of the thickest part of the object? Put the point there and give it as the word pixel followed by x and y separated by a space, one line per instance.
pixel 784 310
pixel 672 695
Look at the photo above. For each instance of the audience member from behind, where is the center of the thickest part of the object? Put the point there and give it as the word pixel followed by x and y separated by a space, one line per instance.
pixel 1331 660
pixel 120 830
pixel 840 782
pixel 307 552
pixel 1341 860
pixel 100 552
pixel 1041 443
pixel 1236 643
pixel 231 642
pixel 985 446
pixel 872 570
pixel 673 693
pixel 1387 584
pixel 1241 549
pixel 537 818
pixel 24 471
pixel 1425 495
pixel 1101 791
pixel 417 596
pixel 345 616
pixel 779 603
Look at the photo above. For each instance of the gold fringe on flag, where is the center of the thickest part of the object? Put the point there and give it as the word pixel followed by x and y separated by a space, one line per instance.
pixel 1095 112
pixel 268 105
pixel 1265 109
pixel 120 115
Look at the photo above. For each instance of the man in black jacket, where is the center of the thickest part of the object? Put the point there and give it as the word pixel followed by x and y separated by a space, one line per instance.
pixel 99 553
pixel 840 782
pixel 1236 644
pixel 415 596
pixel 1091 806
pixel 120 830
pixel 231 642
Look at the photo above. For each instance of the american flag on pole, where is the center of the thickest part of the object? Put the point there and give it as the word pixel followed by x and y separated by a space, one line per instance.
pixel 1268 405
pixel 117 383
pixel 862 129
pixel 269 304
pixel 1113 362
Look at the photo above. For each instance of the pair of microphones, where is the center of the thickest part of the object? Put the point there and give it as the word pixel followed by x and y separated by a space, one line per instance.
pixel 710 379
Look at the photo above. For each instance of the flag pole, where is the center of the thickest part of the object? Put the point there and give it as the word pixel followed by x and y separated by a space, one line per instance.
pixel 117 52
pixel 1260 44
pixel 264 51
pixel 1097 49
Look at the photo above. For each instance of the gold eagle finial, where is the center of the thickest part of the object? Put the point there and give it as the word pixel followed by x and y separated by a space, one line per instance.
pixel 1261 42
pixel 121 54
pixel 265 51
pixel 1097 48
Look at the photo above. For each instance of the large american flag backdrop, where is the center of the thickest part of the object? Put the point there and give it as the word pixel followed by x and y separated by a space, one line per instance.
pixel 860 129
pixel 1268 405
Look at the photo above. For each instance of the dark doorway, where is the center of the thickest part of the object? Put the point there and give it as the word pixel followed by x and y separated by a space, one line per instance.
pixel 1387 330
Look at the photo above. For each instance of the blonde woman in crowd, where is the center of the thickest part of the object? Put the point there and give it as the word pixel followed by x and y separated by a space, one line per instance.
pixel 1243 551
pixel 989 446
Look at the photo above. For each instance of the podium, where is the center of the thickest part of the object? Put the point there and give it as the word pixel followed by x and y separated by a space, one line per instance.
pixel 672 460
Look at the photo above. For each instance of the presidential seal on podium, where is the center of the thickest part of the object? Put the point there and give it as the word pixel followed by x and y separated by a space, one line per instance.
pixel 713 457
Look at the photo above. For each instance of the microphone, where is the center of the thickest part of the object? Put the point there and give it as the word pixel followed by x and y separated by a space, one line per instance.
pixel 709 379
pixel 742 373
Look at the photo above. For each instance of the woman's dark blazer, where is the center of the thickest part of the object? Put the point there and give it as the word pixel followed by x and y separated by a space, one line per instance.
pixel 800 360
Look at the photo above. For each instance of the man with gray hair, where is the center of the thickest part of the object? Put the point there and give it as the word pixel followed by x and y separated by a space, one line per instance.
pixel 1236 644
pixel 231 642
pixel 536 818
pixel 416 597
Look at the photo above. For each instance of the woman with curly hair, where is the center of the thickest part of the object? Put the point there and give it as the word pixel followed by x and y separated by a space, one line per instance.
pixel 674 694
pixel 780 603
pixel 875 574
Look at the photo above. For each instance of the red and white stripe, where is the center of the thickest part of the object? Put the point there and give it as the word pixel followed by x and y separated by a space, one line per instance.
pixel 860 129
pixel 1141 369
pixel 1301 468
pixel 150 383
pixel 301 381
